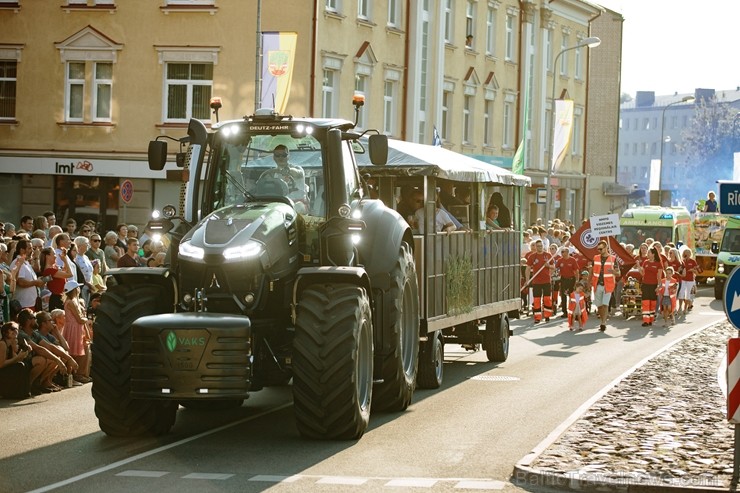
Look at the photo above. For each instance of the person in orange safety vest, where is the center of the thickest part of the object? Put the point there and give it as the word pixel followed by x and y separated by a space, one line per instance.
pixel 604 274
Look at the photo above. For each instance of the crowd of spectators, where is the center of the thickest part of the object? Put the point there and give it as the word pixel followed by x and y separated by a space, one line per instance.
pixel 52 280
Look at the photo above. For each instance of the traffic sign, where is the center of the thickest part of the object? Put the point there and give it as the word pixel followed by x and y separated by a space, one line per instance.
pixel 733 380
pixel 127 191
pixel 732 298
pixel 729 197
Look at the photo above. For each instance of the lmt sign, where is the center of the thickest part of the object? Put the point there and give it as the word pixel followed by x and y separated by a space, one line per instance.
pixel 729 197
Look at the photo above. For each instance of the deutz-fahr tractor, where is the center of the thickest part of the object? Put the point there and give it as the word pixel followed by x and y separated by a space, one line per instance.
pixel 280 268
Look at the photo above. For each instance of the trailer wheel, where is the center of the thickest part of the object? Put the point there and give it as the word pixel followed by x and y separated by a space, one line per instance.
pixel 497 338
pixel 431 362
pixel 333 362
pixel 400 337
pixel 118 414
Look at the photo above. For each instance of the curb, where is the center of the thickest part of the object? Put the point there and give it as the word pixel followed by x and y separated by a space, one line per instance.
pixel 526 475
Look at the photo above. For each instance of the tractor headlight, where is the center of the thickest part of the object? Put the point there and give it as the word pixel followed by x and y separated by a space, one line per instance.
pixel 190 251
pixel 721 267
pixel 249 249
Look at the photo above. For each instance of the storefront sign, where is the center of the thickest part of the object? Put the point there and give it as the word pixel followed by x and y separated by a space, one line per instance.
pixel 81 167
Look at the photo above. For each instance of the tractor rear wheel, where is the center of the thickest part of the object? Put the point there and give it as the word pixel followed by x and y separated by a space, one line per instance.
pixel 400 337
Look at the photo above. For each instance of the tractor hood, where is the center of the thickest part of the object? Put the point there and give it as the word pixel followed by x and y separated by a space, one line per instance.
pixel 264 230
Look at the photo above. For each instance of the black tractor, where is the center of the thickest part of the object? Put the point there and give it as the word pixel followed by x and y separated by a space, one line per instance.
pixel 280 269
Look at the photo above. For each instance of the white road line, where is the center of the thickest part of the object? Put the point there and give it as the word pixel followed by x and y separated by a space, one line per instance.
pixel 267 478
pixel 481 485
pixel 155 451
pixel 133 473
pixel 207 475
pixel 342 480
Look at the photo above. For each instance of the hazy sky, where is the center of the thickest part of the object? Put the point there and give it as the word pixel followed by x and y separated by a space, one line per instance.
pixel 674 46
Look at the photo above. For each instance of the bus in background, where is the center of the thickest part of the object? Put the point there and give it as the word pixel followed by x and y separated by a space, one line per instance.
pixel 663 224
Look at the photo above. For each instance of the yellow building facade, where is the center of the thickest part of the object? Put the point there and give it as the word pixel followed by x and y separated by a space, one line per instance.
pixel 85 84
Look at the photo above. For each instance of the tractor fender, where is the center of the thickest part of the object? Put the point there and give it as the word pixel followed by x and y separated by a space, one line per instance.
pixel 385 231
pixel 161 276
pixel 327 274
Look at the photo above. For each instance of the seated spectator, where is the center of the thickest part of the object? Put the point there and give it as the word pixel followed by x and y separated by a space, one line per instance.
pixel 15 364
pixel 46 364
pixel 57 327
pixel 442 221
pixel 45 329
pixel 411 199
pixel 492 218
pixel 504 216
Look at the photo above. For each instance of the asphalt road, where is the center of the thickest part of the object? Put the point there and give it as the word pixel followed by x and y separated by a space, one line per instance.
pixel 465 436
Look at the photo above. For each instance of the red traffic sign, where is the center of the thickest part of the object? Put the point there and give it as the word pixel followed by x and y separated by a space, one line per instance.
pixel 733 380
pixel 127 191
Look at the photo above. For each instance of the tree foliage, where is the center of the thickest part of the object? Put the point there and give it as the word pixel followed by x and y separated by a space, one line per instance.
pixel 710 132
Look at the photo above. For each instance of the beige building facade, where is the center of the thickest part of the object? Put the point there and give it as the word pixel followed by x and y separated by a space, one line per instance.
pixel 94 80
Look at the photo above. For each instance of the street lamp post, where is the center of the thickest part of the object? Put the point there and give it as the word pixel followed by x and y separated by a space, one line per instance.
pixel 591 42
pixel 686 99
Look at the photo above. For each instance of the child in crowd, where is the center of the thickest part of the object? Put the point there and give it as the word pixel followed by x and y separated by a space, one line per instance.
pixel 586 281
pixel 666 291
pixel 577 311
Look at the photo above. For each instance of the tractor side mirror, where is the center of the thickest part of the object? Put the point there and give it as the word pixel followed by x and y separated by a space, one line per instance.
pixel 378 149
pixel 157 155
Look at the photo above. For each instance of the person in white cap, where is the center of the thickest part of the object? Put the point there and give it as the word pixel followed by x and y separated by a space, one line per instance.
pixel 77 329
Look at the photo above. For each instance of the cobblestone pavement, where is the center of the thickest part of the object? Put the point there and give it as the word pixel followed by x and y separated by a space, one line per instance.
pixel 663 425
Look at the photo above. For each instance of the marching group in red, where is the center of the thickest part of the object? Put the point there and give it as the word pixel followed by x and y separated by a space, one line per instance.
pixel 562 278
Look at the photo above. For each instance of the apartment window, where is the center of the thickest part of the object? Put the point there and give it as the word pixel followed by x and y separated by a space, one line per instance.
pixel 329 92
pixel 363 9
pixel 74 91
pixel 510 37
pixel 578 52
pixel 446 112
pixel 448 21
pixel 8 83
pixel 674 122
pixel 655 122
pixel 389 107
pixel 468 119
pixel 626 123
pixel 361 85
pixel 394 13
pixel 576 146
pixel 685 121
pixel 332 5
pixel 644 149
pixel 653 148
pixel 548 49
pixel 491 31
pixel 626 150
pixel 102 92
pixel 646 123
pixel 564 57
pixel 488 123
pixel 470 20
pixel 188 91
pixel 634 149
pixel 508 125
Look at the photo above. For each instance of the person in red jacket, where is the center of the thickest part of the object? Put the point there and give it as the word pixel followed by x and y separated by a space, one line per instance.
pixel 652 272
pixel 539 267
pixel 577 310
pixel 568 267
pixel 604 275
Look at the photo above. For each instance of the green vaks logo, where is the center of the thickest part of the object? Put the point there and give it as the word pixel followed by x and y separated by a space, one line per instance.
pixel 171 341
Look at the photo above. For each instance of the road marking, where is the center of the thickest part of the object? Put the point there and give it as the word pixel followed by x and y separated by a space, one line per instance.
pixel 155 451
pixel 342 480
pixel 267 478
pixel 143 474
pixel 480 485
pixel 207 475
pixel 412 482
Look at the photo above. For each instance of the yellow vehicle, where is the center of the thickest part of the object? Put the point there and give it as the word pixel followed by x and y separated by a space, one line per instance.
pixel 663 224
pixel 709 227
pixel 729 255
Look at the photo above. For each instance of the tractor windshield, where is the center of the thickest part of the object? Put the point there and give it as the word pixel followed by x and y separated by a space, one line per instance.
pixel 264 166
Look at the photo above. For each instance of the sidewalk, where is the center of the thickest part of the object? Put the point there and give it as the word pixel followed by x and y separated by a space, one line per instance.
pixel 661 428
